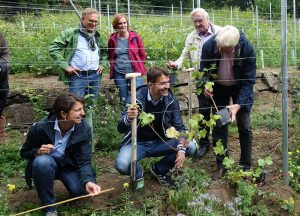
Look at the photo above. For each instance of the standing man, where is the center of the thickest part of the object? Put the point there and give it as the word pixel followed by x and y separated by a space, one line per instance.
pixel 235 61
pixel 4 87
pixel 155 98
pixel 79 51
pixel 204 30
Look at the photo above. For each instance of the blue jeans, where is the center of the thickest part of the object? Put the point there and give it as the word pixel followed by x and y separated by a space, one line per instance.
pixel 45 170
pixel 222 95
pixel 85 84
pixel 155 148
pixel 123 85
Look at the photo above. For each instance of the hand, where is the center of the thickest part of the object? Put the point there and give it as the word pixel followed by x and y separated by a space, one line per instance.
pixel 179 160
pixel 172 65
pixel 132 112
pixel 71 70
pixel 184 142
pixel 207 93
pixel 92 188
pixel 233 109
pixel 100 69
pixel 45 149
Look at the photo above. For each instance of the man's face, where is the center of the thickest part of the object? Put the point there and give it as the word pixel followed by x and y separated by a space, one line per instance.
pixel 90 21
pixel 201 24
pixel 226 50
pixel 160 87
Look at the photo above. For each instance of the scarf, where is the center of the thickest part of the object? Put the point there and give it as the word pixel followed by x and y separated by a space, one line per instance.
pixel 89 36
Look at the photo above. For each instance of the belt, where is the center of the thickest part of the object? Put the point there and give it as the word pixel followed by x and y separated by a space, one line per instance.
pixel 88 72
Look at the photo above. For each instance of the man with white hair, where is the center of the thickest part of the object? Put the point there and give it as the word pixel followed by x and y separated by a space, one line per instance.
pixel 191 52
pixel 235 60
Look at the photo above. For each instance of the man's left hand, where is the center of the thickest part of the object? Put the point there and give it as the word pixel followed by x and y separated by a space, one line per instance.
pixel 92 188
pixel 179 160
pixel 234 108
pixel 100 69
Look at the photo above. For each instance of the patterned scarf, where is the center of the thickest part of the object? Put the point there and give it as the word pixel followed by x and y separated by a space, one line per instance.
pixel 89 36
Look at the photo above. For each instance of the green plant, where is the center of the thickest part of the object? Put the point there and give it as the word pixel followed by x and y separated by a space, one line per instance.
pixel 289 205
pixel 37 98
pixel 294 169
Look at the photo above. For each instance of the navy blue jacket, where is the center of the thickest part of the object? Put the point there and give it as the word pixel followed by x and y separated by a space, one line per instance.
pixel 171 114
pixel 78 152
pixel 244 67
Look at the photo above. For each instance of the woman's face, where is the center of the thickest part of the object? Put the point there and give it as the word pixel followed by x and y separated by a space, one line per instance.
pixel 122 25
pixel 76 114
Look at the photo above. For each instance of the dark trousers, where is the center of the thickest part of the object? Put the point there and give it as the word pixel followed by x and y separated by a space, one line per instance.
pixel 222 95
pixel 4 88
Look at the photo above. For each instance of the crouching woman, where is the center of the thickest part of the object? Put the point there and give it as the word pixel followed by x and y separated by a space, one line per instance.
pixel 59 147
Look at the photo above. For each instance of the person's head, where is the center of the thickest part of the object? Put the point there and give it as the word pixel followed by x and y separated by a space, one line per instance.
pixel 70 107
pixel 227 38
pixel 90 19
pixel 200 19
pixel 120 22
pixel 158 81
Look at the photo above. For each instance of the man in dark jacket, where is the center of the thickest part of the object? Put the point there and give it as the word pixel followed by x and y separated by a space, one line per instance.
pixel 235 61
pixel 4 87
pixel 59 147
pixel 156 98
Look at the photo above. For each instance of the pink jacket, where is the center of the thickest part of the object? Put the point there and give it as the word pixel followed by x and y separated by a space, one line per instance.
pixel 136 52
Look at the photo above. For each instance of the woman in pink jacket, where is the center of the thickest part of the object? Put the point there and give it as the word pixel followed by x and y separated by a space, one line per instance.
pixel 126 54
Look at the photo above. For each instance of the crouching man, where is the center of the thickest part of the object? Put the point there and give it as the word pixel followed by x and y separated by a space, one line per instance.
pixel 157 99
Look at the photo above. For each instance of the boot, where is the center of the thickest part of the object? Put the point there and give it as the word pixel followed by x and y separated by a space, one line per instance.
pixel 3 135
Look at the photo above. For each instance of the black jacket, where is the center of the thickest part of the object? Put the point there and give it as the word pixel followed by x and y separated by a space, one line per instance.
pixel 171 114
pixel 78 152
pixel 244 67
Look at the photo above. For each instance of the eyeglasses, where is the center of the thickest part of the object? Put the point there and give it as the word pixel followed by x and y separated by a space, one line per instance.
pixel 93 21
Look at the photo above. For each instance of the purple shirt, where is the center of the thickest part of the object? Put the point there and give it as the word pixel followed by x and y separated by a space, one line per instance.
pixel 225 70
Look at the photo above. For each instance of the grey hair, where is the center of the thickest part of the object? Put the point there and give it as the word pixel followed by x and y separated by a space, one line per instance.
pixel 228 36
pixel 199 10
pixel 88 11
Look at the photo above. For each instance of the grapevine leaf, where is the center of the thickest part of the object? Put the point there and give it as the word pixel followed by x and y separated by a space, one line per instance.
pixel 228 162
pixel 172 133
pixel 261 162
pixel 219 148
pixel 146 118
pixel 209 86
pixel 269 160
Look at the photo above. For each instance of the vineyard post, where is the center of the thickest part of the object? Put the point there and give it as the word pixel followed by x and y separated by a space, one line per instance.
pixel 128 10
pixel 198 3
pixel 271 15
pixel 95 5
pixel 108 19
pixel 117 9
pixel 100 16
pixel 173 13
pixel 257 30
pixel 262 58
pixel 91 3
pixel 180 13
pixel 132 77
pixel 230 15
pixel 284 72
pixel 213 17
pixel 193 4
pixel 295 32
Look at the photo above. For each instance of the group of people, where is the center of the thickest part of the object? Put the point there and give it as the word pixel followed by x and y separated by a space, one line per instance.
pixel 60 146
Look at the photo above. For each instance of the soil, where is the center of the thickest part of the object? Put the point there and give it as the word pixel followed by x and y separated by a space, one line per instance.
pixel 266 142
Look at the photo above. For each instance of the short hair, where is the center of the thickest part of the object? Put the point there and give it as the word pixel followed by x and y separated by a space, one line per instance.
pixel 88 11
pixel 228 36
pixel 65 102
pixel 203 12
pixel 154 72
pixel 116 20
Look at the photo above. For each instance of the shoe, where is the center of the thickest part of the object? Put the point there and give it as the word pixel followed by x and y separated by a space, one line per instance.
pixel 219 173
pixel 201 152
pixel 164 180
pixel 51 213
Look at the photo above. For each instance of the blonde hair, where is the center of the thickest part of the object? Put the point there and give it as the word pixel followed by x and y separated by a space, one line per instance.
pixel 228 36
pixel 203 13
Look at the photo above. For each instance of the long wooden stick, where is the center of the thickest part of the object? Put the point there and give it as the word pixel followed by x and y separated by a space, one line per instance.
pixel 62 202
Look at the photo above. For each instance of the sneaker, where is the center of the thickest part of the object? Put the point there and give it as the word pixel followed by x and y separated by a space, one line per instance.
pixel 164 180
pixel 51 213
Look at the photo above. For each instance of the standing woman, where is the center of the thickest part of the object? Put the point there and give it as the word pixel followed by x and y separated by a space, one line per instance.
pixel 60 147
pixel 126 55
